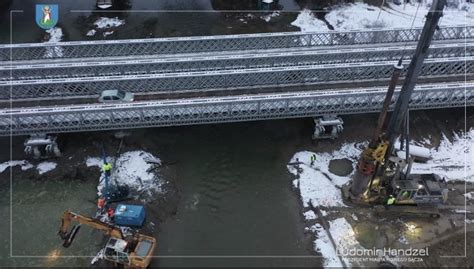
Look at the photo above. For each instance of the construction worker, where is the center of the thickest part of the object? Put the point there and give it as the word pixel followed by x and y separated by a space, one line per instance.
pixel 313 159
pixel 391 200
pixel 107 168
pixel 111 213
pixel 101 203
pixel 404 195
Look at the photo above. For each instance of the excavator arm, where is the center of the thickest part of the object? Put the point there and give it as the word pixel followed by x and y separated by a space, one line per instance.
pixel 68 236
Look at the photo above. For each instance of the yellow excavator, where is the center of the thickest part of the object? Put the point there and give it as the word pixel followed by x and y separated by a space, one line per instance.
pixel 131 252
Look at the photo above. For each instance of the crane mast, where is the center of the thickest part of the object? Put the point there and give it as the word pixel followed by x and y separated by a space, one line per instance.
pixel 375 159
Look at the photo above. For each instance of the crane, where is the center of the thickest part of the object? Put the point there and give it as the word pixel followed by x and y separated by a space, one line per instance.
pixel 133 252
pixel 379 173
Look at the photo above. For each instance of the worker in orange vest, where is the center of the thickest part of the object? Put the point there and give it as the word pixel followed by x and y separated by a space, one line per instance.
pixel 111 212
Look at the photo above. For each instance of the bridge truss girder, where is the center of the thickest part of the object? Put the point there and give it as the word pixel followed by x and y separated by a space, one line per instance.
pixel 75 68
pixel 217 110
pixel 227 79
pixel 212 44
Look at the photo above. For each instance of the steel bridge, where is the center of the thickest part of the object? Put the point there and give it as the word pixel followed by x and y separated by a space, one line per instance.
pixel 315 74
pixel 224 109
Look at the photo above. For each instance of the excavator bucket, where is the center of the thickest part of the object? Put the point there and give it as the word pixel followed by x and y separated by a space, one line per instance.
pixel 69 237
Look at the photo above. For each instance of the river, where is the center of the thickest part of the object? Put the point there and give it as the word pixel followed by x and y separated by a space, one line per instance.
pixel 236 198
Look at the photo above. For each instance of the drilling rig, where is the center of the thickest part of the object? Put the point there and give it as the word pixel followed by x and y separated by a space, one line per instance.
pixel 380 174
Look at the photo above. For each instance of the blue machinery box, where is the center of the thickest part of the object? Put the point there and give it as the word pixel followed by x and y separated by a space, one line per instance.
pixel 129 215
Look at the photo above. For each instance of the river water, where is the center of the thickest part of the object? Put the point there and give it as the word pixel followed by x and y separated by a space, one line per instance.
pixel 235 200
pixel 236 203
pixel 236 194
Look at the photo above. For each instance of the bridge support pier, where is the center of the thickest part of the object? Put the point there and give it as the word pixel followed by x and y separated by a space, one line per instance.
pixel 265 4
pixel 328 126
pixel 104 4
pixel 42 146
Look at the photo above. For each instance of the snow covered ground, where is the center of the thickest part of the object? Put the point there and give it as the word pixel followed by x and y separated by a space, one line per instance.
pixel 357 16
pixel 134 169
pixel 45 167
pixel 344 237
pixel 323 245
pixel 269 17
pixel 25 165
pixel 319 187
pixel 105 24
pixel 55 35
pixel 42 167
pixel 307 22
pixel 452 159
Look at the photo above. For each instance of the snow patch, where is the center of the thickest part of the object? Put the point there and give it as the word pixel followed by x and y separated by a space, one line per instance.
pixel 317 185
pixel 25 165
pixel 307 22
pixel 94 161
pixel 324 213
pixel 461 211
pixel 268 17
pixel 358 16
pixel 91 32
pixel 134 169
pixel 469 195
pixel 344 238
pixel 309 215
pixel 99 256
pixel 324 246
pixel 55 35
pixel 354 217
pixel 452 159
pixel 295 183
pixel 108 33
pixel 46 167
pixel 104 22
pixel 343 235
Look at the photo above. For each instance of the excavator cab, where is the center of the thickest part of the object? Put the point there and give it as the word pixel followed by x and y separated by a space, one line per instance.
pixel 116 251
pixel 420 189
pixel 136 253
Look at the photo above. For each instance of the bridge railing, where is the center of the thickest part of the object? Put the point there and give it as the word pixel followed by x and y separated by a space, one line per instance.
pixel 215 110
pixel 210 44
